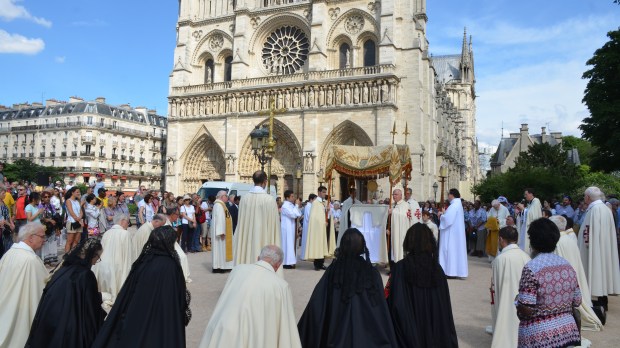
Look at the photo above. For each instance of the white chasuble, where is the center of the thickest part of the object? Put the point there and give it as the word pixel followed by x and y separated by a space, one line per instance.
pixel 371 219
pixel 399 227
pixel 219 236
pixel 507 268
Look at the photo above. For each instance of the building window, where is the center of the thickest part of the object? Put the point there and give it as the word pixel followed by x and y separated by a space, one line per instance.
pixel 345 56
pixel 102 122
pixel 114 124
pixel 370 53
pixel 89 120
pixel 228 68
pixel 209 71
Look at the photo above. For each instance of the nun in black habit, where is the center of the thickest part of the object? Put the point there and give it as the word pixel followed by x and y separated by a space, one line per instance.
pixel 69 313
pixel 152 308
pixel 347 307
pixel 418 296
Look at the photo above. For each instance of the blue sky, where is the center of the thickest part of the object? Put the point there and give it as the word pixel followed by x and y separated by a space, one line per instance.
pixel 529 55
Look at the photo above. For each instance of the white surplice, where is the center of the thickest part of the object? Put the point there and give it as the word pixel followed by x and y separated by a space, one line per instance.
pixel 22 279
pixel 115 264
pixel 254 310
pixel 416 212
pixel 507 268
pixel 533 212
pixel 345 217
pixel 218 229
pixel 370 220
pixel 452 248
pixel 599 250
pixel 304 231
pixel 288 219
pixel 568 248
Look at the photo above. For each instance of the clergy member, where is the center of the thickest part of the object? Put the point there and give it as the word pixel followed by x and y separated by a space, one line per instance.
pixel 507 269
pixel 499 213
pixel 116 260
pixel 400 224
pixel 452 250
pixel 568 248
pixel 416 212
pixel 172 214
pixel 221 234
pixel 306 221
pixel 22 276
pixel 599 248
pixel 141 236
pixel 316 241
pixel 289 215
pixel 258 223
pixel 532 212
pixel 255 308
pixel 345 219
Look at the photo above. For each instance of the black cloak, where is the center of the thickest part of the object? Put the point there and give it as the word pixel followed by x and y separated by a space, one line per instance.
pixel 69 313
pixel 419 303
pixel 338 315
pixel 150 310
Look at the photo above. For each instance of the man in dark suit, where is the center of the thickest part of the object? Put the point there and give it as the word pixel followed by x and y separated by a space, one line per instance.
pixel 233 209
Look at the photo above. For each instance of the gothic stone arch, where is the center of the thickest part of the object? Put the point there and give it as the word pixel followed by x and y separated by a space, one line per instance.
pixel 203 160
pixel 283 166
pixel 346 133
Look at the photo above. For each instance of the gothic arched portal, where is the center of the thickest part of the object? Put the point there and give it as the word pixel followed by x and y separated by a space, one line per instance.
pixel 204 160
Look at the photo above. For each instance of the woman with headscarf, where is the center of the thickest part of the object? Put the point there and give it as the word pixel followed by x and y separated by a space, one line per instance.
pixel 418 296
pixel 152 308
pixel 347 307
pixel 70 313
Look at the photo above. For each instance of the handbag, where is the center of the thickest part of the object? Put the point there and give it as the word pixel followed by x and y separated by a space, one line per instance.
pixel 75 226
pixel 191 224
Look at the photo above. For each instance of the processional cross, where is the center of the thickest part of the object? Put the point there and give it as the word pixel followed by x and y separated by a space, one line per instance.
pixel 270 147
pixel 406 132
pixel 393 132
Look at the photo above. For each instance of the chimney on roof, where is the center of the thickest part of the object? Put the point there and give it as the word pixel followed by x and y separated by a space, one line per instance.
pixel 100 100
pixel 141 109
pixel 152 111
pixel 51 102
pixel 37 104
pixel 75 99
pixel 2 108
pixel 543 131
pixel 557 136
pixel 125 106
pixel 514 135
pixel 524 133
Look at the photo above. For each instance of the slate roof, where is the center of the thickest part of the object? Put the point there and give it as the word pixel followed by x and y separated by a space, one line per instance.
pixel 447 67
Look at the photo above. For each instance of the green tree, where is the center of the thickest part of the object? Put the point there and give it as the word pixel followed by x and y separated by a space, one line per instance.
pixel 602 96
pixel 25 169
pixel 585 149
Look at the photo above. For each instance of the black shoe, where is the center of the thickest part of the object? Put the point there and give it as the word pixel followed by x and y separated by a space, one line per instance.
pixel 600 313
pixel 288 267
pixel 318 268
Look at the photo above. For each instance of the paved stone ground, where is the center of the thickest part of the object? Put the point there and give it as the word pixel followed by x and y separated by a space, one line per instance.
pixel 470 301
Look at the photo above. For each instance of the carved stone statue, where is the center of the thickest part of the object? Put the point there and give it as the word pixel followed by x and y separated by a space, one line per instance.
pixel 209 75
pixel 347 57
pixel 170 166
pixel 338 95
pixel 356 94
pixel 347 94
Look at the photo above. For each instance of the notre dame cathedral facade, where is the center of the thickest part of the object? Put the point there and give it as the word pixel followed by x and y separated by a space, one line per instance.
pixel 345 70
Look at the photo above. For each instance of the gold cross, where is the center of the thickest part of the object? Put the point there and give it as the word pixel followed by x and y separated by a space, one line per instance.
pixel 271 144
pixel 406 132
pixel 393 132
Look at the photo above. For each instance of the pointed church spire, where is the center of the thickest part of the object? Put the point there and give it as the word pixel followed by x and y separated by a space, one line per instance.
pixel 465 50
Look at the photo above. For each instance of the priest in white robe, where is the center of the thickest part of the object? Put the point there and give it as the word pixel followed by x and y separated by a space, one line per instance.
pixel 414 206
pixel 141 236
pixel 533 211
pixel 316 243
pixel 255 308
pixel 599 248
pixel 221 234
pixel 401 221
pixel 507 268
pixel 288 219
pixel 452 248
pixel 258 223
pixel 22 279
pixel 172 214
pixel 568 248
pixel 116 260
pixel 345 217
pixel 306 222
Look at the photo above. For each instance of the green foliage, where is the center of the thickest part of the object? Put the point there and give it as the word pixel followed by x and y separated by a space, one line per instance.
pixel 133 208
pixel 602 96
pixel 585 149
pixel 25 169
pixel 82 187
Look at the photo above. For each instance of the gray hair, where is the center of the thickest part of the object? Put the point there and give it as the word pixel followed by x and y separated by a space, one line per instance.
pixel 271 254
pixel 120 217
pixel 559 221
pixel 29 229
pixel 220 194
pixel 594 193
pixel 494 203
pixel 160 217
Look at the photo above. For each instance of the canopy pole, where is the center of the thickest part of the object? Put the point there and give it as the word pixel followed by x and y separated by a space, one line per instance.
pixel 389 239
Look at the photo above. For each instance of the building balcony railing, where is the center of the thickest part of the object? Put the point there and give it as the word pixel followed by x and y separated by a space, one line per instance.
pixel 65 141
pixel 102 141
pixel 87 154
pixel 14 155
pixel 52 154
pixel 114 143
pixel 142 160
pixel 74 153
pixel 155 149
pixel 114 156
pixel 84 125
pixel 42 154
pixel 123 157
pixel 86 140
pixel 101 155
pixel 63 154
pixel 23 155
pixel 132 159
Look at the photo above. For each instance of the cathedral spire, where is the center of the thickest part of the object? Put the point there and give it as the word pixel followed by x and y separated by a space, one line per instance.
pixel 465 50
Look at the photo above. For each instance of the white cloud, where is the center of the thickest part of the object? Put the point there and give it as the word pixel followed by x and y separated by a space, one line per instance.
pixel 15 43
pixel 9 10
pixel 60 59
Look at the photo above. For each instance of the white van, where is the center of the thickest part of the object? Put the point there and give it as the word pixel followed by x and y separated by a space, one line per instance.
pixel 211 188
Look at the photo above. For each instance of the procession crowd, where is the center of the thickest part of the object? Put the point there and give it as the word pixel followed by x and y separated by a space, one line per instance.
pixel 553 266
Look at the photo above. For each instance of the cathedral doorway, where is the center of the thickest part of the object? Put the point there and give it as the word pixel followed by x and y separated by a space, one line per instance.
pixel 202 161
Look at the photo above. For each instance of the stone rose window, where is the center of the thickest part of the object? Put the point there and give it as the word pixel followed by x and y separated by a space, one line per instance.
pixel 285 51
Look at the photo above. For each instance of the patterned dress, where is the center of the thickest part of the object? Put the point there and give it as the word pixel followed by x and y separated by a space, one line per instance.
pixel 549 286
